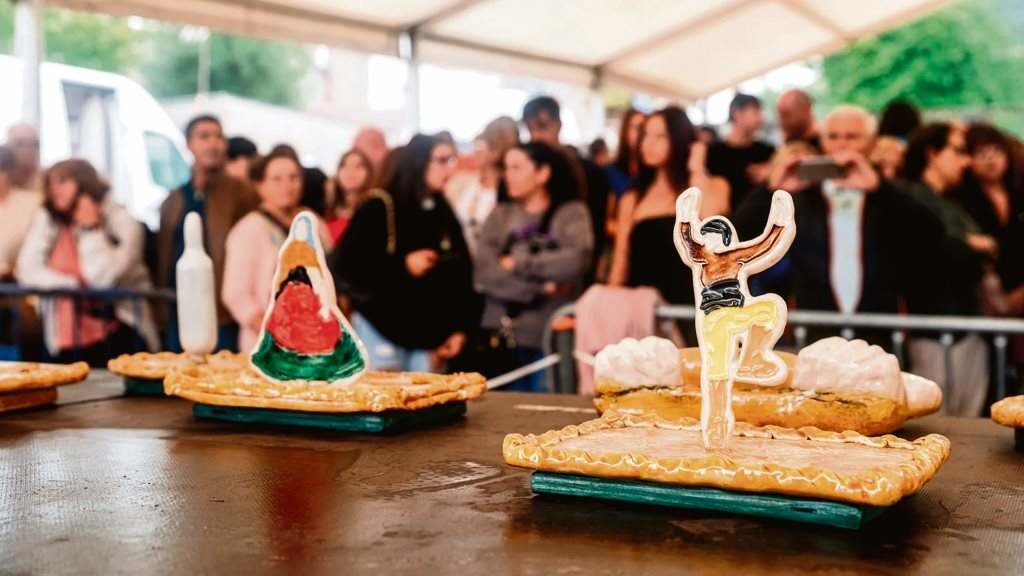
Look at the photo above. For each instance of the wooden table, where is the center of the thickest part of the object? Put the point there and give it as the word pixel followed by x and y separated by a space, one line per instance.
pixel 104 484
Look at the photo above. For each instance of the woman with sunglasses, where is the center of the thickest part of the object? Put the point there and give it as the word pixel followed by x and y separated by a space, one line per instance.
pixel 405 267
pixel 934 165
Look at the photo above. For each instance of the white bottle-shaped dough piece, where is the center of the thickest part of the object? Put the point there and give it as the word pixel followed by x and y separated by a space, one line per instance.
pixel 197 307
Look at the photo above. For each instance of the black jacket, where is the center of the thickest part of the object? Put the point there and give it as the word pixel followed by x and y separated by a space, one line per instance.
pixel 904 254
pixel 415 313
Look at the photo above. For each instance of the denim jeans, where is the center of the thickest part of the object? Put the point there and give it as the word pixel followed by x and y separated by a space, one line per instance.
pixel 385 355
pixel 532 382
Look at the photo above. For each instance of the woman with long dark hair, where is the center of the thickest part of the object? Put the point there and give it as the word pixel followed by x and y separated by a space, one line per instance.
pixel 352 180
pixel 532 257
pixel 627 157
pixel 672 160
pixel 993 195
pixel 405 266
pixel 83 239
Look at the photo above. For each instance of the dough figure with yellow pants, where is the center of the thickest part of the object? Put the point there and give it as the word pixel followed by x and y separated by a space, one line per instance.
pixel 737 332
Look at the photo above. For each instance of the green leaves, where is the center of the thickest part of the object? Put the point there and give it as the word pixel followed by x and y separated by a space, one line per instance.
pixel 268 71
pixel 166 60
pixel 960 56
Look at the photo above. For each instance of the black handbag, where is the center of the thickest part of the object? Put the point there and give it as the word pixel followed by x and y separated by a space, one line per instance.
pixel 495 350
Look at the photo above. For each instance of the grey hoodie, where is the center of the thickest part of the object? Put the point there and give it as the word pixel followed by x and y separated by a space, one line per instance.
pixel 563 259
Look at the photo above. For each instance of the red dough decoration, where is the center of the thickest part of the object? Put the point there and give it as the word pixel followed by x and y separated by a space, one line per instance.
pixel 296 324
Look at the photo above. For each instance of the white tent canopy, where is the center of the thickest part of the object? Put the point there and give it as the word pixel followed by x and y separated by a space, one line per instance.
pixel 679 48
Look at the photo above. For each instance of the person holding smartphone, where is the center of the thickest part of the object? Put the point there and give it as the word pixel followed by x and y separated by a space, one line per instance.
pixel 863 245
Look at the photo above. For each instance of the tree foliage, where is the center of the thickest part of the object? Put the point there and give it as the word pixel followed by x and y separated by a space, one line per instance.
pixel 79 38
pixel 268 71
pixel 165 59
pixel 960 56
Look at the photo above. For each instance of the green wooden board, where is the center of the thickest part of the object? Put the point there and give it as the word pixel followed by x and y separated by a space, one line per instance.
pixel 742 503
pixel 371 422
pixel 144 387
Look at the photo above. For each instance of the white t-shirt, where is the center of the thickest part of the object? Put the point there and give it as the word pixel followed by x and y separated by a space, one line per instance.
pixel 472 208
pixel 845 225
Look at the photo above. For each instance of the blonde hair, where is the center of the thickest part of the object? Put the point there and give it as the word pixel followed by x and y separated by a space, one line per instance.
pixel 500 134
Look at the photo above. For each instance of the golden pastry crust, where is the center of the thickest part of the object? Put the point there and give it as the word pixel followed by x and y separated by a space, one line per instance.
pixel 1009 412
pixel 833 466
pixel 10 401
pixel 863 413
pixel 149 366
pixel 32 375
pixel 373 392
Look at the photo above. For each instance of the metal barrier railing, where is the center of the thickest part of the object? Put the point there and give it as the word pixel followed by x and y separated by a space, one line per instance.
pixel 11 345
pixel 898 325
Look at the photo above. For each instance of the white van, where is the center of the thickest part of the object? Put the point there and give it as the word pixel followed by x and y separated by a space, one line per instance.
pixel 110 121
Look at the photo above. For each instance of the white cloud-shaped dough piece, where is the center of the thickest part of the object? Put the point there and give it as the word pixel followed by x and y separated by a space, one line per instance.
pixel 852 365
pixel 652 361
pixel 923 395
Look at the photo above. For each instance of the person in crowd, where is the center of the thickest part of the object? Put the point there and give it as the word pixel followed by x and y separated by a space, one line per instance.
pixel 447 138
pixel 533 256
pixel 543 120
pixel 314 190
pixel 474 194
pixel 220 200
pixel 599 153
pixel 314 181
pixel 707 134
pixel 863 245
pixel 742 159
pixel 242 152
pixel 83 239
pixel 372 142
pixel 23 140
pixel 405 267
pixel 899 119
pixel 627 158
pixel 887 156
pixel 992 194
pixel 347 191
pixel 17 210
pixel 796 118
pixel 935 161
pixel 250 255
pixel 671 160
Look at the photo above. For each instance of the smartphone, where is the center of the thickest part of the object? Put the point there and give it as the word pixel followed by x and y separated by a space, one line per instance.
pixel 818 168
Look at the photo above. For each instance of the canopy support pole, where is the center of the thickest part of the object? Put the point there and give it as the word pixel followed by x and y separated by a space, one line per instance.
pixel 409 52
pixel 28 47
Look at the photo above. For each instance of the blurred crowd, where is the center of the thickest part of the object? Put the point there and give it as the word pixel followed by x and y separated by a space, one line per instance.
pixel 449 262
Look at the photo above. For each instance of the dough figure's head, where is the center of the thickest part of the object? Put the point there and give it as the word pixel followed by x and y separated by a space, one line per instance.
pixel 717 234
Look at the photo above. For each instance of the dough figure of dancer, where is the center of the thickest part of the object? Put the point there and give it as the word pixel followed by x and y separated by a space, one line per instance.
pixel 737 332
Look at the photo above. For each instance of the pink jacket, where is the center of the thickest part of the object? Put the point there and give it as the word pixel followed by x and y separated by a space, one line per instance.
pixel 249 263
pixel 607 314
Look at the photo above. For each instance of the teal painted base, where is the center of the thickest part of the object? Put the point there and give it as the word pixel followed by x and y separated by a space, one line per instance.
pixel 789 508
pixel 370 422
pixel 144 387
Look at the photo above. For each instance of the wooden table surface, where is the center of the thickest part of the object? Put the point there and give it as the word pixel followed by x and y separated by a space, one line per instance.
pixel 105 484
